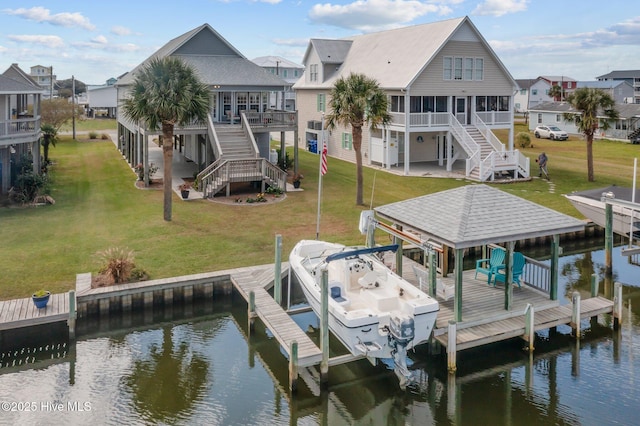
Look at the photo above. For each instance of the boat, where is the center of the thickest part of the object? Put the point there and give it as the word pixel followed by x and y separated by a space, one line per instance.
pixel 625 219
pixel 373 311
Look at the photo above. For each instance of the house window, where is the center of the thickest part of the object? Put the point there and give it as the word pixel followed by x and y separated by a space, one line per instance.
pixel 285 74
pixel 397 103
pixel 321 102
pixel 539 118
pixel 481 103
pixel 457 72
pixel 428 104
pixel 441 104
pixel 479 69
pixel 503 103
pixel 447 73
pixel 313 72
pixel 347 141
pixel 558 118
pixel 523 91
pixel 468 69
pixel 534 92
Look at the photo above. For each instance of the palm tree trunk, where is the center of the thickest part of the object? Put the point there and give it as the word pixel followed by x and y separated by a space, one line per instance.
pixel 357 147
pixel 590 176
pixel 167 155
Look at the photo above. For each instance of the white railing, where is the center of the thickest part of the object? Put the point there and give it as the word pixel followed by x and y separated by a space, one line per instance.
pixel 20 127
pixel 272 119
pixel 495 117
pixel 213 137
pixel 246 128
pixel 226 171
pixel 488 134
pixel 466 142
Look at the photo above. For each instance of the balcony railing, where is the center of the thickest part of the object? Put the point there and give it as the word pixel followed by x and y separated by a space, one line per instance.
pixel 19 127
pixel 442 119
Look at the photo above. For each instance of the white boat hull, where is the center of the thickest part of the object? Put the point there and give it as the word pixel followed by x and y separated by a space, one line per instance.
pixel 367 313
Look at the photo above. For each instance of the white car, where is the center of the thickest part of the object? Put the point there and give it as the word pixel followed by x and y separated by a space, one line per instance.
pixel 550 132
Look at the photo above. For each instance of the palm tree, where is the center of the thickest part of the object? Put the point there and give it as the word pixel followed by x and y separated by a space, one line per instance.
pixel 556 92
pixel 594 109
pixel 49 137
pixel 355 101
pixel 167 92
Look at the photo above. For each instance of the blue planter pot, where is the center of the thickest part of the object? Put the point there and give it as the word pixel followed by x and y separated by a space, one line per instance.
pixel 41 301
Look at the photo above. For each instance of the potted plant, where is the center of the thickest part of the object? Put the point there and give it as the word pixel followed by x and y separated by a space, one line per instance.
pixel 41 298
pixel 297 177
pixel 184 190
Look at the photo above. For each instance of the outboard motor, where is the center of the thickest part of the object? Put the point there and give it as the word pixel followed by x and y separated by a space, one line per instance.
pixel 401 333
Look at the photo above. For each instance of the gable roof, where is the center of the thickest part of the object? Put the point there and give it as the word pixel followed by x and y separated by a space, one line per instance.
pixel 474 215
pixel 275 61
pixel 394 58
pixel 621 74
pixel 16 73
pixel 215 61
pixel 602 84
pixel 552 78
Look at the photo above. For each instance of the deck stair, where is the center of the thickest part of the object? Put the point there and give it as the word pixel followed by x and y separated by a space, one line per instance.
pixel 234 143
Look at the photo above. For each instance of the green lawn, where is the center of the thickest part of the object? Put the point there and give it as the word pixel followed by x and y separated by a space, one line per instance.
pixel 98 207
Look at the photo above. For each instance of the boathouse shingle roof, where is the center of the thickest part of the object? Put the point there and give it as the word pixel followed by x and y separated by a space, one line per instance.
pixel 475 215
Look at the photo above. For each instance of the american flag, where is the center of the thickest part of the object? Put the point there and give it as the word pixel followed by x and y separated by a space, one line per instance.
pixel 323 166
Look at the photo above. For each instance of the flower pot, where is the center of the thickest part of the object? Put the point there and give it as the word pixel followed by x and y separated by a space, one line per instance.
pixel 296 184
pixel 41 301
pixel 184 193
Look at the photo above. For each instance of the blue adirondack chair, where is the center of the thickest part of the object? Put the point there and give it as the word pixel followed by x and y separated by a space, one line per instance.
pixel 517 268
pixel 489 266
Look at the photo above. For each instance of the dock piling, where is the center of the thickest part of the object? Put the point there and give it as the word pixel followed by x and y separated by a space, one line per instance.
pixel 71 322
pixel 293 367
pixel 575 314
pixel 277 291
pixel 324 330
pixel 530 332
pixel 451 347
pixel 617 305
pixel 252 311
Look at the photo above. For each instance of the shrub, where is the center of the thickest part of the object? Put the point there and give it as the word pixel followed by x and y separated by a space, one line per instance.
pixel 117 265
pixel 93 135
pixel 523 139
pixel 105 137
pixel 28 185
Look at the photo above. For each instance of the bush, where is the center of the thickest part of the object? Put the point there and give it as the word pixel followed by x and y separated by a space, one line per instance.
pixel 93 135
pixel 28 185
pixel 523 140
pixel 117 266
pixel 105 137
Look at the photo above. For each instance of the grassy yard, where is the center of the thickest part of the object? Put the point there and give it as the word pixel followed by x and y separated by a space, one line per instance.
pixel 98 207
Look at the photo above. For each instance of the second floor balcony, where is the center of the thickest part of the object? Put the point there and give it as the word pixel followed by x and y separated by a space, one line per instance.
pixel 20 130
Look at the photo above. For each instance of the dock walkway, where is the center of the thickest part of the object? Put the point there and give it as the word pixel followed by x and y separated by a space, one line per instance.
pixel 17 313
pixel 275 318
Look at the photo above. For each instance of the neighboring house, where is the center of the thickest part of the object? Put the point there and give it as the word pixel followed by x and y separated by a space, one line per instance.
pixel 551 113
pixel 621 91
pixel 289 72
pixel 234 144
pixel 44 77
pixel 630 76
pixel 102 101
pixel 447 90
pixel 566 84
pixel 19 123
pixel 531 92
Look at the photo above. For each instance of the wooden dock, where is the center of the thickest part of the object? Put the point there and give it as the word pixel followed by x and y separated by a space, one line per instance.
pixel 19 313
pixel 275 318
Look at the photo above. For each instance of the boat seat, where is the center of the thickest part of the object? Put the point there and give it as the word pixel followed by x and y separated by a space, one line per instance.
pixel 369 280
pixel 336 294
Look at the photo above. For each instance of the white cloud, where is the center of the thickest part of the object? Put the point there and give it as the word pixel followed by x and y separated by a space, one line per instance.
pixel 121 31
pixel 374 15
pixel 100 40
pixel 65 19
pixel 45 40
pixel 500 7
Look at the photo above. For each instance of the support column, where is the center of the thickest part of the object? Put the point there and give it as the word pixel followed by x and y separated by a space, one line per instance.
pixel 555 253
pixel 398 241
pixel 457 305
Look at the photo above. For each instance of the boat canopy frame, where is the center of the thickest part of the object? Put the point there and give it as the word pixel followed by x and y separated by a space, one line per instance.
pixel 361 251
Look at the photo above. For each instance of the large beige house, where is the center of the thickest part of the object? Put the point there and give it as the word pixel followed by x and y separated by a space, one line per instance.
pixel 447 91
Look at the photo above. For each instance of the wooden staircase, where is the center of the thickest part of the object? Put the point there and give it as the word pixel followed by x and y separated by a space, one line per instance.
pixel 234 143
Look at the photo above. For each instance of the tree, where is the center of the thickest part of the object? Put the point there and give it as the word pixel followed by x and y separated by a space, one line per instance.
pixel 594 109
pixel 58 112
pixel 556 92
pixel 167 92
pixel 49 137
pixel 357 100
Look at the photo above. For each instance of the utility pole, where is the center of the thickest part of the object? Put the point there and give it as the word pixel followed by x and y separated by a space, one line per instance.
pixel 73 102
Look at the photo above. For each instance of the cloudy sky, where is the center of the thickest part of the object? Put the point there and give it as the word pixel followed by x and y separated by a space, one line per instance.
pixel 95 41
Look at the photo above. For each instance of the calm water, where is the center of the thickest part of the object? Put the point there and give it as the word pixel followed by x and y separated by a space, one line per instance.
pixel 198 367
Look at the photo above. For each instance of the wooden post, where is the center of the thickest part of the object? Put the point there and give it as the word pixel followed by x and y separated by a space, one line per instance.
pixel 398 241
pixel 617 305
pixel 555 254
pixel 71 322
pixel 277 291
pixel 529 327
pixel 324 330
pixel 608 242
pixel 432 272
pixel 508 276
pixel 451 346
pixel 252 311
pixel 594 285
pixel 575 314
pixel 457 303
pixel 293 367
pixel 371 234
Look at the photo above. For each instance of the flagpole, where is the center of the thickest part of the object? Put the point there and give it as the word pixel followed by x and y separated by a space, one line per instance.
pixel 320 148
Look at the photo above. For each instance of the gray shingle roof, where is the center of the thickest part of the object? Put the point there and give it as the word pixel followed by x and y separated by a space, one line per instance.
pixel 9 85
pixel 475 215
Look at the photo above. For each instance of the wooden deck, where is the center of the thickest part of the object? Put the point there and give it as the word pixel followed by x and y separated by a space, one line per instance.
pixel 19 313
pixel 279 323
